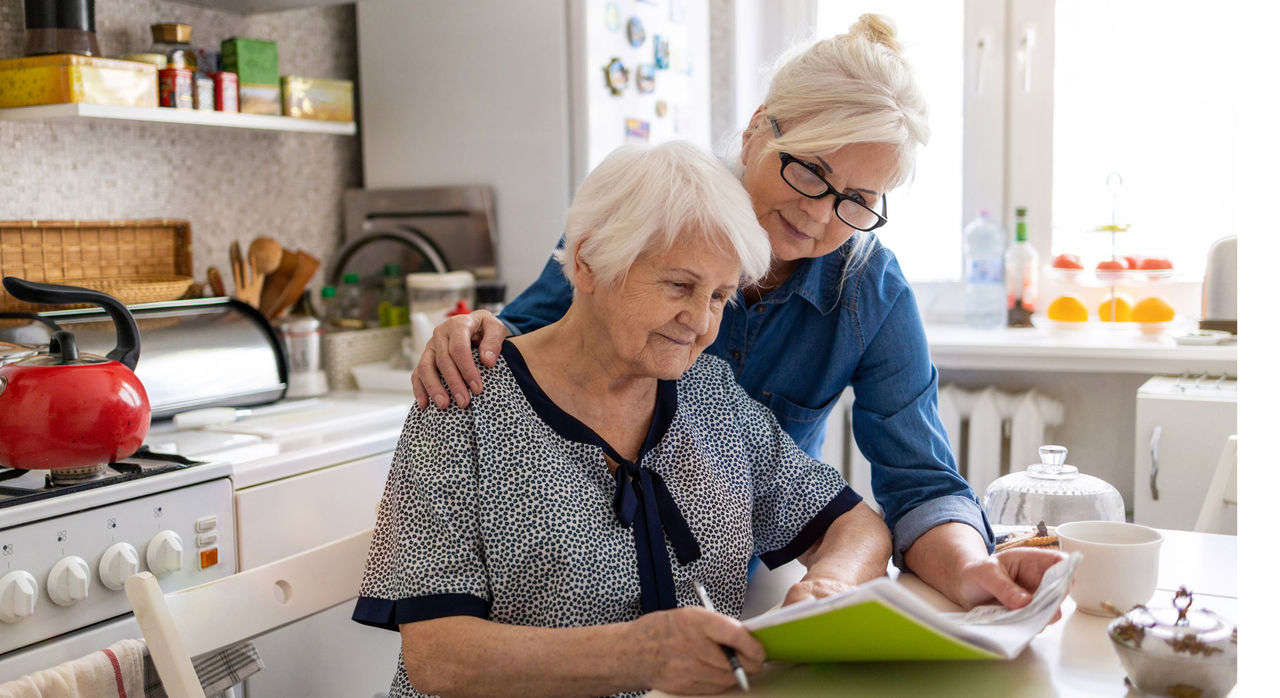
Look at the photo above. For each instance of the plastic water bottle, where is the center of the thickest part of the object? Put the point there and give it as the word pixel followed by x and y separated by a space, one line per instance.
pixel 984 298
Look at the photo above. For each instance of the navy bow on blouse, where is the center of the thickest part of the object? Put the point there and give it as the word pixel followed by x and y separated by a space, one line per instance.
pixel 643 502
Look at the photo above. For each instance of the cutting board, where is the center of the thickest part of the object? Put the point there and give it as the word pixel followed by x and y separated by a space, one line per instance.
pixel 324 417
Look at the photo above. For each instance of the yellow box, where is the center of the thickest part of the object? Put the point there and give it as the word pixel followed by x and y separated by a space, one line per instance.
pixel 62 78
pixel 313 98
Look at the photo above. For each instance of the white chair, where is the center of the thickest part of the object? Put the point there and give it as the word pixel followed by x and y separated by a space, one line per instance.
pixel 1218 513
pixel 190 622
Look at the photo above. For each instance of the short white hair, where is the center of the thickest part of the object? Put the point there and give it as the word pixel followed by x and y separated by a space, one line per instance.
pixel 640 199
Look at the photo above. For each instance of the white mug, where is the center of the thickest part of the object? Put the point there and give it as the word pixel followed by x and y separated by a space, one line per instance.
pixel 1121 561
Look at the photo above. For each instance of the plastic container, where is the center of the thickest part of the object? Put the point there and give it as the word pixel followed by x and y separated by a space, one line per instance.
pixel 984 297
pixel 1053 492
pixel 434 295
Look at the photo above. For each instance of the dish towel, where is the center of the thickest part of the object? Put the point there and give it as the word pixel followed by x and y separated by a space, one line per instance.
pixel 217 670
pixel 125 670
pixel 115 672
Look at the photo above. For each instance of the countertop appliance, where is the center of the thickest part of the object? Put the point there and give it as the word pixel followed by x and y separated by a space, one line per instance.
pixel 66 549
pixel 1218 295
pixel 529 126
pixel 1182 424
pixel 203 352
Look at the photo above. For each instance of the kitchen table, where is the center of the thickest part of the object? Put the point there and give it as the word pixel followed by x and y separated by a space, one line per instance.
pixel 1072 657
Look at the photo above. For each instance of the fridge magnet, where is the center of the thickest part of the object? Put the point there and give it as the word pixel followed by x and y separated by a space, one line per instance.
pixel 615 76
pixel 635 32
pixel 661 52
pixel 637 131
pixel 645 74
pixel 612 16
pixel 660 108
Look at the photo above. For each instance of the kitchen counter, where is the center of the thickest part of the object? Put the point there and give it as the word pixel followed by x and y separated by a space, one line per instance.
pixel 1089 350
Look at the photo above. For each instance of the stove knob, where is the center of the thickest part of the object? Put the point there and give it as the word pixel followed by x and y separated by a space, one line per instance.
pixel 164 553
pixel 119 563
pixel 69 581
pixel 18 592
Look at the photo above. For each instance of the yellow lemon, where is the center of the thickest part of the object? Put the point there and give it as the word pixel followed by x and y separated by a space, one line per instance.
pixel 1152 310
pixel 1068 309
pixel 1123 309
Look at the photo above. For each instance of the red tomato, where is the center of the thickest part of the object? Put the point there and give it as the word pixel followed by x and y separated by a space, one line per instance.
pixel 1111 265
pixel 1133 261
pixel 1067 261
pixel 1155 263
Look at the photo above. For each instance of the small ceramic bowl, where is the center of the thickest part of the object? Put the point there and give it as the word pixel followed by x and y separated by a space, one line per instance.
pixel 1176 651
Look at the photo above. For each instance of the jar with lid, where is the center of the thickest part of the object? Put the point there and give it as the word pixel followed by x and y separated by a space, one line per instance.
pixel 174 41
pixel 434 295
pixel 1051 491
pixel 1177 650
pixel 491 295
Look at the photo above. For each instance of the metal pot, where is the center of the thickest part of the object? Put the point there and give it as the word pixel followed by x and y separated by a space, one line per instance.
pixel 63 409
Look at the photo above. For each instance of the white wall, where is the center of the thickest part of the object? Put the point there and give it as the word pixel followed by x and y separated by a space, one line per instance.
pixel 472 92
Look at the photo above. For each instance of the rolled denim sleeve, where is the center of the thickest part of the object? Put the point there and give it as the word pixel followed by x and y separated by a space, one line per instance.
pixel 546 300
pixel 897 426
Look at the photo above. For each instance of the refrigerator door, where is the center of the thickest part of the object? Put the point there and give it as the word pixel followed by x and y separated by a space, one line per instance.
pixel 1181 428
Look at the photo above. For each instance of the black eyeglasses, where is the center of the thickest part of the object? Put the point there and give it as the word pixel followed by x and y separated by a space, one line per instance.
pixel 805 178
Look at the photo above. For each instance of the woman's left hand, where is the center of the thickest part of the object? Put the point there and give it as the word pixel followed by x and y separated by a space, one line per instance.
pixel 816 588
pixel 1009 577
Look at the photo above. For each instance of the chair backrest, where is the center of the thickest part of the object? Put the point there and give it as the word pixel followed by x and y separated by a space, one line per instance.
pixel 1218 512
pixel 190 622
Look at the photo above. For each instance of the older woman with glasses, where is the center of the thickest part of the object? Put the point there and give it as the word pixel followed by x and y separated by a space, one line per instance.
pixel 838 130
pixel 608 469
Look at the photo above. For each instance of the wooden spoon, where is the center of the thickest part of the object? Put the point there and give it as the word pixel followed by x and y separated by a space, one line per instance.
pixel 237 271
pixel 264 257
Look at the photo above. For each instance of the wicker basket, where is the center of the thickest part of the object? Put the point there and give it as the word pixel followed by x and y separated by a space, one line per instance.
pixel 345 350
pixel 135 261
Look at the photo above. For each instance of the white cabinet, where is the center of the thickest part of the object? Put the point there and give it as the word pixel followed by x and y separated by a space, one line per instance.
pixel 1182 425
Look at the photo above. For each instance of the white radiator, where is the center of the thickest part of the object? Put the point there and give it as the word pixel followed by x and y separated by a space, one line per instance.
pixel 990 431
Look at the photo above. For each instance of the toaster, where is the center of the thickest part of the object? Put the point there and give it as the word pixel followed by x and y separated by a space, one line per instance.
pixel 1218 294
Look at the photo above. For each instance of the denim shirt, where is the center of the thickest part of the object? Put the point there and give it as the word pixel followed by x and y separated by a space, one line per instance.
pixel 798 347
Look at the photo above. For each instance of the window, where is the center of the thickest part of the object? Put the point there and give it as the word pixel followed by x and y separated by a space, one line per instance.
pixel 1036 103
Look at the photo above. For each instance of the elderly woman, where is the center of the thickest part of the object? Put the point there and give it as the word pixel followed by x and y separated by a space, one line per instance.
pixel 547 539
pixel 838 131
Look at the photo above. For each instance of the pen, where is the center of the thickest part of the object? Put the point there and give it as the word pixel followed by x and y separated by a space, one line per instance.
pixel 738 672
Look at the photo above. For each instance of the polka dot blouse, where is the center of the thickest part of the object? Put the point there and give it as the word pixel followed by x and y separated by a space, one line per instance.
pixel 507 510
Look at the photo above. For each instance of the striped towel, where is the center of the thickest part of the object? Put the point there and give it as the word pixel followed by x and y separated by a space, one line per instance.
pixel 217 670
pixel 115 672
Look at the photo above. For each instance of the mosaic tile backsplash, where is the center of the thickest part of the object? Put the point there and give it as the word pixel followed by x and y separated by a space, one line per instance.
pixel 230 183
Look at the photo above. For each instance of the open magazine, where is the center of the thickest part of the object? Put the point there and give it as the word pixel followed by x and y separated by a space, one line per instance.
pixel 882 620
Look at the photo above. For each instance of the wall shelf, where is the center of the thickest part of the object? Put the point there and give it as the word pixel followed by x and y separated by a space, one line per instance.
pixel 261 122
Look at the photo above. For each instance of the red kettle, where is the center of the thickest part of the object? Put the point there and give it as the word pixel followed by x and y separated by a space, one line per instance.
pixel 64 409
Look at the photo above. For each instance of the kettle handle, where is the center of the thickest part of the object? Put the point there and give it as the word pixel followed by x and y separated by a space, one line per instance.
pixel 128 340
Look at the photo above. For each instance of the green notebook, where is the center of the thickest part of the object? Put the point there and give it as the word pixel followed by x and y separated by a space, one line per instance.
pixel 883 621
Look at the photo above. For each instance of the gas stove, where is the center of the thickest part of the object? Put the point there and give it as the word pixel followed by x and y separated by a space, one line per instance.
pixel 67 547
pixel 22 486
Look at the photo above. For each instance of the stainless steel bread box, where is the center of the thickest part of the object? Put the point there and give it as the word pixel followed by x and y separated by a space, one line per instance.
pixel 203 352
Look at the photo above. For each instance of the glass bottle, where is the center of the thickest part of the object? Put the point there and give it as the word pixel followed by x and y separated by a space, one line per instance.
pixel 393 306
pixel 347 305
pixel 1021 272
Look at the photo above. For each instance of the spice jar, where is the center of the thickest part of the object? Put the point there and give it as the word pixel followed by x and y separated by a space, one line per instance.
pixel 174 41
pixel 1176 651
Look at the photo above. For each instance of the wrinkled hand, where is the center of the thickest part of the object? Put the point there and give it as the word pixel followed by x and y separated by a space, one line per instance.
pixel 681 650
pixel 815 588
pixel 1009 577
pixel 448 354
